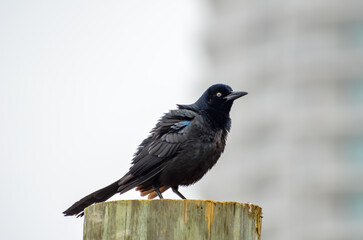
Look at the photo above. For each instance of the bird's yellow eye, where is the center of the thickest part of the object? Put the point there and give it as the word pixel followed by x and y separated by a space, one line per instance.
pixel 219 94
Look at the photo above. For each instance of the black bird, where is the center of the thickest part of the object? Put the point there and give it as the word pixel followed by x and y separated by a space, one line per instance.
pixel 181 148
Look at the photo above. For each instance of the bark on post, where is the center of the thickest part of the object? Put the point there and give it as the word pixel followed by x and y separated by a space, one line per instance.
pixel 172 220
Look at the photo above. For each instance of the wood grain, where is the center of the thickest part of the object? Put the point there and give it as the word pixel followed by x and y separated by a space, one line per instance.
pixel 168 219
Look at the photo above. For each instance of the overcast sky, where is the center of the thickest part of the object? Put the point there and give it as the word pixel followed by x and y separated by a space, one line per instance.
pixel 81 85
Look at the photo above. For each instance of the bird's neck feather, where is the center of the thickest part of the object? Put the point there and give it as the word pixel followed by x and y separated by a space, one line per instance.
pixel 218 119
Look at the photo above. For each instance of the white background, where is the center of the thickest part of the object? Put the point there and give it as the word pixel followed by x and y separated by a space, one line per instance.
pixel 81 85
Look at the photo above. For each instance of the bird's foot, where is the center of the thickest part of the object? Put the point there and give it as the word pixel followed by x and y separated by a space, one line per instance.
pixel 175 190
pixel 156 189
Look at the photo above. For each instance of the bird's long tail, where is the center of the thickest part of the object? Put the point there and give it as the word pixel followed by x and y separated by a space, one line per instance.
pixel 95 197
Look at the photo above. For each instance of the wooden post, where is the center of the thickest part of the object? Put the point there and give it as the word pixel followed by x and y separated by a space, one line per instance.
pixel 168 219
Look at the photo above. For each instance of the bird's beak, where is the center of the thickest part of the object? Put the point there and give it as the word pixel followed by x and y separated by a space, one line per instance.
pixel 234 95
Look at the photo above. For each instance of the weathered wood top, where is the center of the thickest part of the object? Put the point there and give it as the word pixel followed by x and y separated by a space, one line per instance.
pixel 172 219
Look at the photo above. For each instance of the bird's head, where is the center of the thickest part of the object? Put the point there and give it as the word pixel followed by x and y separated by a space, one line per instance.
pixel 219 98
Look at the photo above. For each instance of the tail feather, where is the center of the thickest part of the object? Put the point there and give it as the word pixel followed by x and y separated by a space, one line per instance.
pixel 95 197
pixel 123 185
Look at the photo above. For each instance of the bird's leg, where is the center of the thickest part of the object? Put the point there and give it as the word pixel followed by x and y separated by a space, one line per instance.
pixel 156 189
pixel 175 190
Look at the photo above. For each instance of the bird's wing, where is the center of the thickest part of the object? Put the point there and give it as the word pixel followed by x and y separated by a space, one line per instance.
pixel 164 142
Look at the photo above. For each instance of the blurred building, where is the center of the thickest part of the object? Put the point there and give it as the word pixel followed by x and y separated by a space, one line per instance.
pixel 296 145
